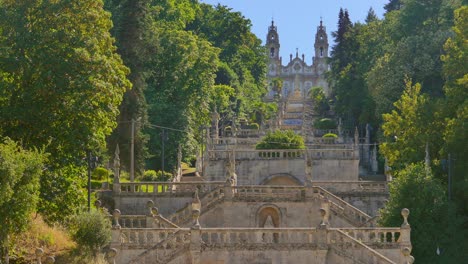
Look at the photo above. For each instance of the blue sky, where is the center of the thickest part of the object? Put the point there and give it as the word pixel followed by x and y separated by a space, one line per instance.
pixel 297 20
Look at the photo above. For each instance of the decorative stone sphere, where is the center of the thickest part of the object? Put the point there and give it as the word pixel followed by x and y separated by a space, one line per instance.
pixel 50 260
pixel 195 213
pixel 406 251
pixel 112 253
pixel 411 260
pixel 39 252
pixel 405 212
pixel 155 211
pixel 150 204
pixel 116 213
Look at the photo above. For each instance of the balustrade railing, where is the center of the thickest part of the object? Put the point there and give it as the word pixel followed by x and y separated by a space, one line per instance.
pixel 133 221
pixel 322 153
pixel 343 208
pixel 168 188
pixel 383 236
pixel 143 237
pixel 353 186
pixel 247 237
pixel 354 249
pixel 268 192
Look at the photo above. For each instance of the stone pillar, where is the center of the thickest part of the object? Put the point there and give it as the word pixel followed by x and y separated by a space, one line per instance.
pixel 214 125
pixel 195 245
pixel 374 162
pixel 150 214
pixel 322 230
pixel 116 229
pixel 228 194
pixel 39 253
pixel 110 255
pixel 367 146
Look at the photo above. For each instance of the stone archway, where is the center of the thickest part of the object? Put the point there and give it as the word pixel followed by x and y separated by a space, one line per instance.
pixel 282 180
pixel 268 211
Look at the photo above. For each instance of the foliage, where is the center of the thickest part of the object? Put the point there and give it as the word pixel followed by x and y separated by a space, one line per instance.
pixel 324 123
pixel 62 192
pixel 152 175
pixel 320 101
pixel 409 128
pixel 433 221
pixel 91 230
pixel 100 173
pixel 281 139
pixel 454 108
pixel 19 189
pixel 330 135
pixel 61 81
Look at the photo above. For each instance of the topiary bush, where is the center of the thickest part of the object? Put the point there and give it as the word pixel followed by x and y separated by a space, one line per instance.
pixel 152 175
pixel 91 230
pixel 100 173
pixel 330 135
pixel 324 123
pixel 281 139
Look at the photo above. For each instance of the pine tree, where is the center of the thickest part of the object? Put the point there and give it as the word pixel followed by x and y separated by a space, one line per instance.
pixel 393 5
pixel 371 16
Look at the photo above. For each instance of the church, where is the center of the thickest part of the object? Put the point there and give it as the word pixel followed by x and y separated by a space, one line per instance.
pixel 297 74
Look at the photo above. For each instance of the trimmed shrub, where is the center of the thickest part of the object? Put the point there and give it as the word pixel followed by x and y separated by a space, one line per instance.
pixel 151 175
pixel 91 230
pixel 252 126
pixel 281 139
pixel 324 123
pixel 330 135
pixel 100 173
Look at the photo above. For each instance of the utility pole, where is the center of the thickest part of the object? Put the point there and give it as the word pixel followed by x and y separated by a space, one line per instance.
pixel 132 152
pixel 449 177
pixel 163 139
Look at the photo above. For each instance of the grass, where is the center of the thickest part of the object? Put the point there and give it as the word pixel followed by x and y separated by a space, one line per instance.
pixel 53 239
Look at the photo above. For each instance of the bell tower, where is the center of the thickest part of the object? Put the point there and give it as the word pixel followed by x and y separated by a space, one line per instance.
pixel 321 44
pixel 272 42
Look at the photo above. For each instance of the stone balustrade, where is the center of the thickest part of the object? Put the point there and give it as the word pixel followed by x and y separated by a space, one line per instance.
pixel 249 237
pixel 132 221
pixel 143 237
pixel 353 186
pixel 279 154
pixel 343 208
pixel 249 133
pixel 377 237
pixel 345 245
pixel 261 192
pixel 166 188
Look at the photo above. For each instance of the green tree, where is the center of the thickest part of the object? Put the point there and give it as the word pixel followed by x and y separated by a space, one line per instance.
pixel 281 139
pixel 19 189
pixel 393 5
pixel 454 108
pixel 61 81
pixel 409 128
pixel 432 219
pixel 320 101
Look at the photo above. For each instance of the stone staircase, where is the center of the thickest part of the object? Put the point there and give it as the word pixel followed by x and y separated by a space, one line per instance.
pixel 345 210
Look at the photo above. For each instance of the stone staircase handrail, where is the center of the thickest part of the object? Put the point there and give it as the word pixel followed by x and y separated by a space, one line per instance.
pixel 340 206
pixel 344 243
pixel 382 236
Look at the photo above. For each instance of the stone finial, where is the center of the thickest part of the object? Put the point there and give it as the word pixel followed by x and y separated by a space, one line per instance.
pixel 356 136
pixel 324 222
pixel 406 251
pixel 50 260
pixel 116 215
pixel 149 205
pixel 196 218
pixel 110 255
pixel 39 252
pixel 405 212
pixel 98 204
pixel 154 211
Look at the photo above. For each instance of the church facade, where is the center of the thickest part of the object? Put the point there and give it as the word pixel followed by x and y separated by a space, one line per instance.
pixel 297 74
